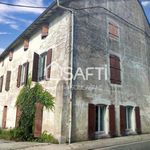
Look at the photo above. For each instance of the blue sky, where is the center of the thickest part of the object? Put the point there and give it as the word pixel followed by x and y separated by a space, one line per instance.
pixel 14 20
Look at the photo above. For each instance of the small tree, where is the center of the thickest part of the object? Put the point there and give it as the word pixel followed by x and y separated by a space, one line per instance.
pixel 26 103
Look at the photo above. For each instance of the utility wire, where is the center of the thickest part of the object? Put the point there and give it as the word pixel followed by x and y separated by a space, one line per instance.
pixel 109 11
pixel 26 6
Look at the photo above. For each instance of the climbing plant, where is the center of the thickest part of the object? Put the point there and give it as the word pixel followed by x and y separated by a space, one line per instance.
pixel 26 101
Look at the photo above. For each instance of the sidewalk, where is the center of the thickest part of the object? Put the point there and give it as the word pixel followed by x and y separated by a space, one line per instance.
pixel 97 144
pixel 87 145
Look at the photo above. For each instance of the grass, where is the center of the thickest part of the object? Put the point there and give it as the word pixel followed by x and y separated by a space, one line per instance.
pixel 16 135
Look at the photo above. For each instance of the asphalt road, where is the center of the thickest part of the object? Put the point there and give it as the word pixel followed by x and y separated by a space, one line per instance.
pixel 145 145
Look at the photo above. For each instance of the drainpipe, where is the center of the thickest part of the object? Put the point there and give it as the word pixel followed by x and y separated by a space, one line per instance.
pixel 71 64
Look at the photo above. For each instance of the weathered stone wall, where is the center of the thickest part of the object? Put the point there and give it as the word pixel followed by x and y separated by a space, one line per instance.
pixel 92 49
pixel 59 41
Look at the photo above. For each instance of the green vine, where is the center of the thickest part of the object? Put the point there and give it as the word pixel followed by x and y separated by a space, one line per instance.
pixel 26 100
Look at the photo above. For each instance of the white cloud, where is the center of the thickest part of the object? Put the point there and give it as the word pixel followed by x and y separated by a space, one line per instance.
pixel 1 50
pixel 145 3
pixel 6 15
pixel 11 23
pixel 14 26
pixel 8 9
pixel 4 33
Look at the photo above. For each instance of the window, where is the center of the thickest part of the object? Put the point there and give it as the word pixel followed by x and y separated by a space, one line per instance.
pixel 10 55
pixel 22 74
pixel 40 63
pixel 1 83
pixel 44 31
pixel 113 30
pixel 4 119
pixel 8 78
pixel 101 121
pixel 115 71
pixel 100 117
pixel 42 66
pixel 129 110
pixel 2 63
pixel 26 44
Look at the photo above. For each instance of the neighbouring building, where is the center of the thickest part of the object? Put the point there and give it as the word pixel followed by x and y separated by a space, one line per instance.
pixel 91 35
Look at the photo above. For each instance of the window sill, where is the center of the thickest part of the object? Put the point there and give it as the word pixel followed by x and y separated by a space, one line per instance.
pixel 101 134
pixel 130 132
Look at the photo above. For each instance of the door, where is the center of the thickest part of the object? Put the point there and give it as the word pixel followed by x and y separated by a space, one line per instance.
pixel 4 117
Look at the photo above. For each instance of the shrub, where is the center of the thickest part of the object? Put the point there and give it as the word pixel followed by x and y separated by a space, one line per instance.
pixel 47 138
pixel 5 134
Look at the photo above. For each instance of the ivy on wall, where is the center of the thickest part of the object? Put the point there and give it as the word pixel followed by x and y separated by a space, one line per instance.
pixel 26 101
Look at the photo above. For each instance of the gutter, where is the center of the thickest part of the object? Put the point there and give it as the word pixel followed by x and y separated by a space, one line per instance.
pixel 71 64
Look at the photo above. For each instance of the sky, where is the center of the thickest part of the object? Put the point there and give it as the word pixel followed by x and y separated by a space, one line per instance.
pixel 14 20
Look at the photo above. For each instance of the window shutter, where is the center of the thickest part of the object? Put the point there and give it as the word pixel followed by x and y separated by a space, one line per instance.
pixel 91 121
pixel 38 119
pixel 19 76
pixel 122 120
pixel 115 71
pixel 112 121
pixel 49 60
pixel 8 77
pixel 35 67
pixel 18 114
pixel 10 55
pixel 26 72
pixel 4 117
pixel 1 83
pixel 138 120
pixel 113 30
pixel 26 44
pixel 44 31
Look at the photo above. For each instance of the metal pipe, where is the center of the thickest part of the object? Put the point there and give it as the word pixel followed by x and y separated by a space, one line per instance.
pixel 71 64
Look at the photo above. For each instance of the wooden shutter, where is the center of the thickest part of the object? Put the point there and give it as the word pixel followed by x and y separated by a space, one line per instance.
pixel 26 44
pixel 26 72
pixel 115 71
pixel 122 120
pixel 35 67
pixel 49 60
pixel 91 121
pixel 4 117
pixel 19 76
pixel 113 30
pixel 38 119
pixel 8 77
pixel 18 114
pixel 112 121
pixel 10 55
pixel 138 120
pixel 44 31
pixel 1 83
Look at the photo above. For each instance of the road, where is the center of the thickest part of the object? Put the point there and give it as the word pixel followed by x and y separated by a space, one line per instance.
pixel 145 145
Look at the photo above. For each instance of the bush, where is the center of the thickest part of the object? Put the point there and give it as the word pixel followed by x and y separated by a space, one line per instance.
pixel 47 138
pixel 17 134
pixel 5 134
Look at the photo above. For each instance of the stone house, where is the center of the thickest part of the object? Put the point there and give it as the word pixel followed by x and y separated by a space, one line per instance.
pixel 106 44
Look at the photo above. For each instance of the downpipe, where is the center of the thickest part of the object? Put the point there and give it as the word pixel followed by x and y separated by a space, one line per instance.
pixel 71 65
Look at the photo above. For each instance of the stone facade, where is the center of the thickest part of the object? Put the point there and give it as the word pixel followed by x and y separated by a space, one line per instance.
pixel 58 41
pixel 92 48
